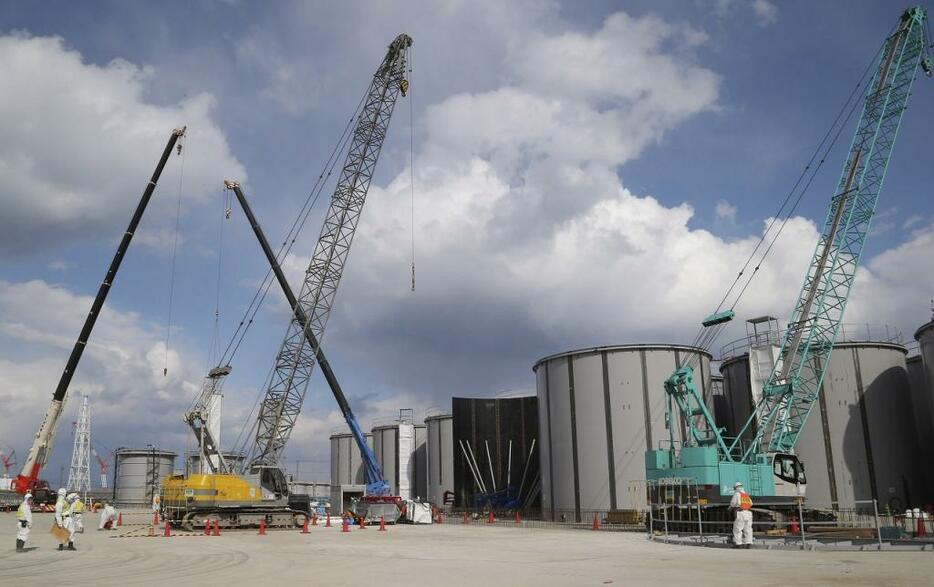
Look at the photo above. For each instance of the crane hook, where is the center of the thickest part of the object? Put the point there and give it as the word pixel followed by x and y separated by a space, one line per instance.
pixel 404 86
pixel 178 149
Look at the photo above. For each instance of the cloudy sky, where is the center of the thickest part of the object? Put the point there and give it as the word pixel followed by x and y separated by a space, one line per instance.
pixel 585 173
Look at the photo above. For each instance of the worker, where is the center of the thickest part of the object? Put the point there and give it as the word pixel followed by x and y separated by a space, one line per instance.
pixel 77 512
pixel 156 502
pixel 23 522
pixel 71 525
pixel 62 515
pixel 742 526
pixel 108 517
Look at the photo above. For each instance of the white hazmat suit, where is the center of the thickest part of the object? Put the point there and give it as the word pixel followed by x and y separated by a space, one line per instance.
pixel 108 518
pixel 742 526
pixel 23 522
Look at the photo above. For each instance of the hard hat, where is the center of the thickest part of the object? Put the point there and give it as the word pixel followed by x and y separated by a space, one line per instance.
pixel 72 496
pixel 737 485
pixel 28 496
pixel 62 491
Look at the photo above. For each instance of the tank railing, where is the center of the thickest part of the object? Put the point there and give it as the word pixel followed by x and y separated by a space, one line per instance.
pixel 849 332
pixel 790 523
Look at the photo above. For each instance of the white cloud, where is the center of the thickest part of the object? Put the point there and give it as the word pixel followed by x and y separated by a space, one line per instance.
pixel 78 142
pixel 765 11
pixel 725 211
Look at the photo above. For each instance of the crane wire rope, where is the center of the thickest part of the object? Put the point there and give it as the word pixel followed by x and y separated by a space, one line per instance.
pixel 412 161
pixel 225 214
pixel 178 213
pixel 707 336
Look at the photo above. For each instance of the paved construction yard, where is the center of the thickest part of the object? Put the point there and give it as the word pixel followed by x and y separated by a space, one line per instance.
pixel 447 554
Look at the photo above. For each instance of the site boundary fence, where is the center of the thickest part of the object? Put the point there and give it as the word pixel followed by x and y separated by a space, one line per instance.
pixel 606 520
pixel 794 522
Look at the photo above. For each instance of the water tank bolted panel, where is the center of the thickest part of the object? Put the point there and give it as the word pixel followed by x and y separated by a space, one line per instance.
pixel 138 474
pixel 439 455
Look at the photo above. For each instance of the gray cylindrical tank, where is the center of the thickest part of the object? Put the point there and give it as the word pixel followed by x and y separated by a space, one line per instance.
pixel 440 458
pixel 386 447
pixel 735 372
pixel 138 474
pixel 346 462
pixel 923 396
pixel 420 463
pixel 859 442
pixel 600 409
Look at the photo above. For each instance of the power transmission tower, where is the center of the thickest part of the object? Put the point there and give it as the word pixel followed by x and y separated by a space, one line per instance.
pixel 79 477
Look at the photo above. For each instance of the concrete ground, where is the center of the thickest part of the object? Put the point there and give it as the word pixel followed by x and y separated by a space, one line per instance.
pixel 448 554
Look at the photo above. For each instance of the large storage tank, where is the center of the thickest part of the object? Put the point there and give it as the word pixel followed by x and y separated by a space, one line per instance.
pixel 600 409
pixel 923 396
pixel 138 474
pixel 440 458
pixel 346 462
pixel 401 454
pixel 859 442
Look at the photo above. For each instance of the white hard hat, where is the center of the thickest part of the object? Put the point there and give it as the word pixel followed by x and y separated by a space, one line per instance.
pixel 27 496
pixel 62 491
pixel 737 485
pixel 72 496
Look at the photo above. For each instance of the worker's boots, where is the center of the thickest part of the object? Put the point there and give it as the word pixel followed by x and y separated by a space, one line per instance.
pixel 71 546
pixel 61 546
pixel 20 545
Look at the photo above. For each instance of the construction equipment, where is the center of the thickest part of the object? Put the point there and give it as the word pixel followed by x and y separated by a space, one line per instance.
pixel 103 465
pixel 8 461
pixel 767 465
pixel 259 492
pixel 28 480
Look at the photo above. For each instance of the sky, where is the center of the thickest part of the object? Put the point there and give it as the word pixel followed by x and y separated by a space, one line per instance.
pixel 585 173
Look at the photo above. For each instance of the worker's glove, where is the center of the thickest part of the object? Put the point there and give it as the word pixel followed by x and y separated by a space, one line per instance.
pixel 22 524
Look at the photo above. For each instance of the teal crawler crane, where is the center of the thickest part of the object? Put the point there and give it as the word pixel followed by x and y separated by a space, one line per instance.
pixel 704 458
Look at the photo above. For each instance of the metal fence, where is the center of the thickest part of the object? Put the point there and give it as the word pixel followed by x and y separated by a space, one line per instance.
pixel 604 520
pixel 788 523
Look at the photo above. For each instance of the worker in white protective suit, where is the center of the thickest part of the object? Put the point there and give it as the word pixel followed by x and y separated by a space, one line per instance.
pixel 742 526
pixel 108 517
pixel 23 522
pixel 71 524
pixel 63 515
pixel 77 512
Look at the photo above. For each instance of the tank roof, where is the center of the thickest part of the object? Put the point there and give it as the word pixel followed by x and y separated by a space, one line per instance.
pixel 624 347
pixel 923 328
pixel 123 451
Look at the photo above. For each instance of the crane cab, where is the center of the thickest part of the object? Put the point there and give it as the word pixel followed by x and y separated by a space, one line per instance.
pixel 789 475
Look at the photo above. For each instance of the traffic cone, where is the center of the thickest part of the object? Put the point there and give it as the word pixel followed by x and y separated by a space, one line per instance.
pixel 466 519
pixel 168 529
pixel 362 524
pixel 217 528
pixel 327 522
pixel 920 530
pixel 596 523
pixel 262 527
pixel 152 530
pixel 382 524
pixel 491 519
pixel 314 520
pixel 440 518
pixel 120 519
pixel 305 527
pixel 794 526
pixel 344 526
pixel 207 527
pixel 155 519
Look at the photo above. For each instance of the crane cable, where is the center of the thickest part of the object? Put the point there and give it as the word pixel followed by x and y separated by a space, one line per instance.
pixel 178 213
pixel 707 336
pixel 412 160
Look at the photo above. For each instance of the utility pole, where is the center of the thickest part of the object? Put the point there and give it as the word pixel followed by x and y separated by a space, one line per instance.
pixel 79 476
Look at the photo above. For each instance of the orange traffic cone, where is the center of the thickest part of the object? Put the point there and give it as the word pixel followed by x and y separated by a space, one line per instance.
pixel 491 520
pixel 920 530
pixel 466 519
pixel 794 526
pixel 518 519
pixel 440 518
pixel 262 527
pixel 305 527
pixel 327 522
pixel 207 527
pixel 382 524
pixel 168 529
pixel 344 525
pixel 596 523
pixel 362 524
pixel 155 519
pixel 120 519
pixel 217 528
pixel 314 520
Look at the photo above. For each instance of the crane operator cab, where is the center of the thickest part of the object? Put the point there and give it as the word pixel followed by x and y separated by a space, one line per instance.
pixel 789 476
